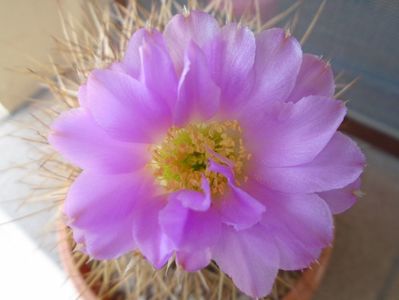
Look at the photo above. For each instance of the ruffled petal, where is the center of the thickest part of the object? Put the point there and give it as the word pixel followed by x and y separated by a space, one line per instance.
pixel 197 26
pixel 226 171
pixel 147 60
pixel 194 261
pixel 237 208
pixel 338 164
pixel 340 200
pixel 277 63
pixel 295 133
pixel 81 141
pixel 99 200
pixel 231 57
pixel 151 240
pixel 249 257
pixel 101 208
pixel 194 200
pixel 240 209
pixel 198 95
pixel 301 224
pixel 109 243
pixel 157 70
pixel 189 230
pixel 125 108
pixel 315 78
pixel 131 63
pixel 294 254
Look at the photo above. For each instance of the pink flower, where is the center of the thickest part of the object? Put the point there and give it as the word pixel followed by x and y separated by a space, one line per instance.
pixel 212 144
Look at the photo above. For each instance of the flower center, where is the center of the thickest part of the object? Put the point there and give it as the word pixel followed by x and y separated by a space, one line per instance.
pixel 181 160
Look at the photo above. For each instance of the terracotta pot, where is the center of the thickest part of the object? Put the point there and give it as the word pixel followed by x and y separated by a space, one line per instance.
pixel 310 279
pixel 74 273
pixel 304 288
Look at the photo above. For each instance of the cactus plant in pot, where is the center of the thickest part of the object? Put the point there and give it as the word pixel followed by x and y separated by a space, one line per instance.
pixel 202 156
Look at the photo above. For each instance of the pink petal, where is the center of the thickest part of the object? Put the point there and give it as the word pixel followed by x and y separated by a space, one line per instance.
pixel 198 95
pixel 249 257
pixel 111 242
pixel 97 200
pixel 237 208
pixel 240 209
pixel 150 238
pixel 125 108
pixel 294 254
pixel 189 230
pixel 315 78
pixel 226 171
pixel 294 133
pixel 198 27
pixel 157 70
pixel 131 62
pixel 231 56
pixel 338 164
pixel 81 141
pixel 277 63
pixel 340 200
pixel 194 200
pixel 193 261
pixel 101 208
pixel 301 224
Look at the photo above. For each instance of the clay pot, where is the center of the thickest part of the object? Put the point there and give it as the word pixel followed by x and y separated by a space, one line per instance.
pixel 310 279
pixel 74 273
pixel 304 288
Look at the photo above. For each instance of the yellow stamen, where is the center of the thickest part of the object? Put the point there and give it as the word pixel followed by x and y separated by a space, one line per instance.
pixel 181 160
